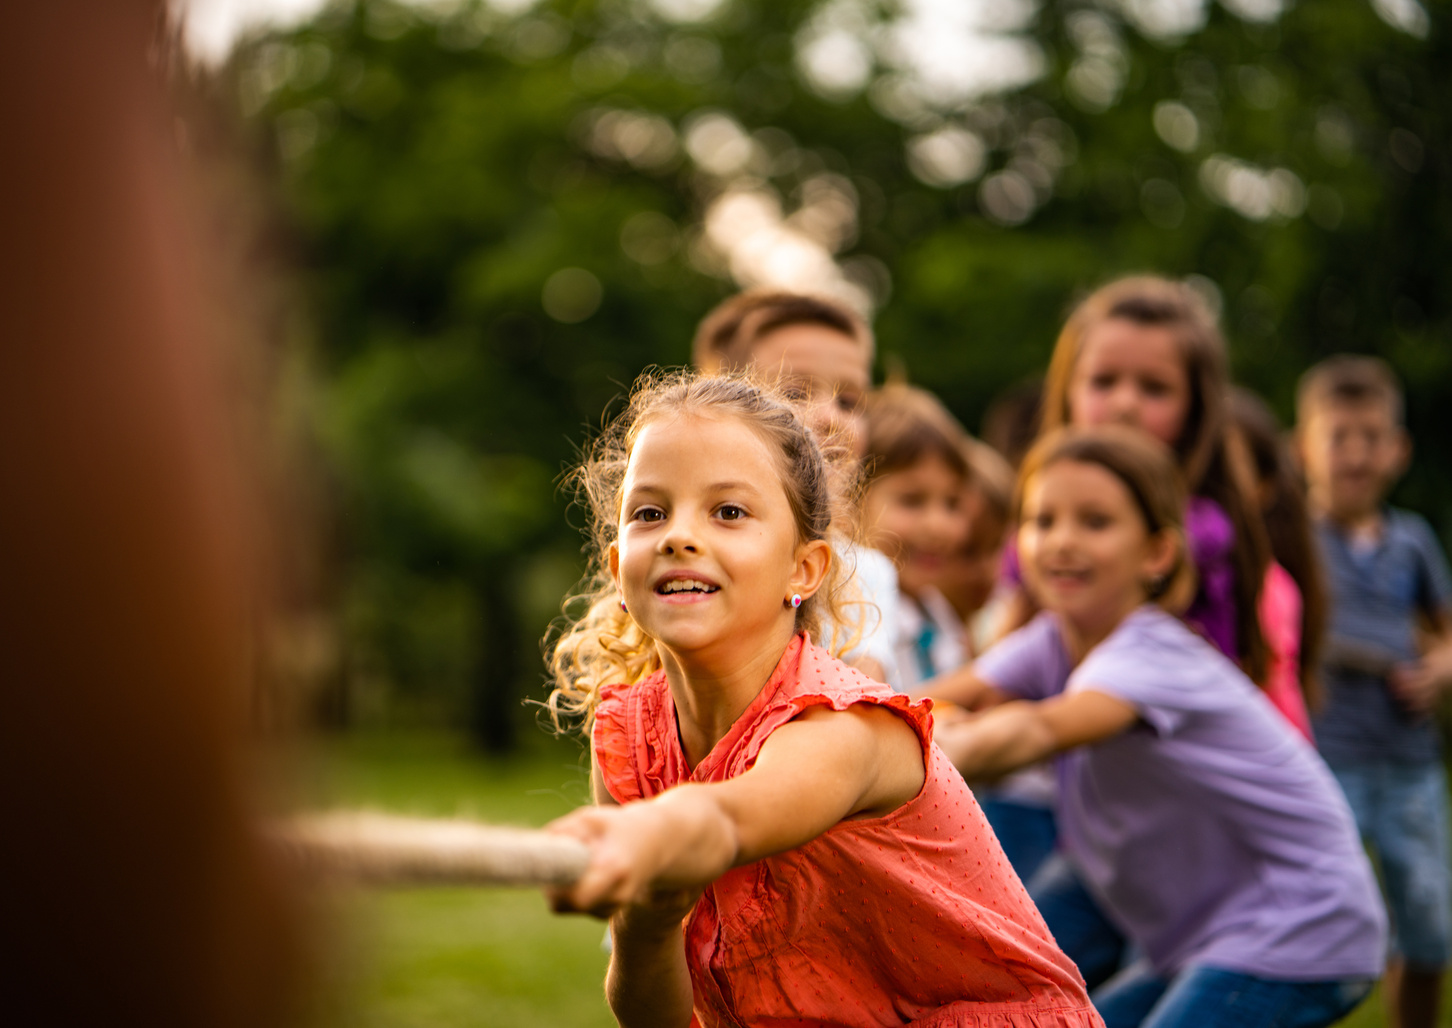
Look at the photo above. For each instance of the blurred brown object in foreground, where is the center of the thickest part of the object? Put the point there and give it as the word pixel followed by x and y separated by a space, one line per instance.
pixel 134 887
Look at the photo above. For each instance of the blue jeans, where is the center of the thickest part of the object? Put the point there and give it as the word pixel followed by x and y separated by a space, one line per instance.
pixel 1401 810
pixel 1078 925
pixel 1208 997
pixel 1027 834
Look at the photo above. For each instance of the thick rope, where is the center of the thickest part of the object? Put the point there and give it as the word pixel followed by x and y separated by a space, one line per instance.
pixel 387 849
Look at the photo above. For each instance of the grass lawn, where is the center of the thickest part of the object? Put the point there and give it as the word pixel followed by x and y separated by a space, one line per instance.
pixel 457 958
pixel 475 958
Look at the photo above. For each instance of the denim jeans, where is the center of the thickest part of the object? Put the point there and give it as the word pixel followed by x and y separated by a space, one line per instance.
pixel 1401 809
pixel 1080 928
pixel 1209 997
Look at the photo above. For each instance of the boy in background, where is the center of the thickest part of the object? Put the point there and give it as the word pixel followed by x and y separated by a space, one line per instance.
pixel 822 351
pixel 1386 662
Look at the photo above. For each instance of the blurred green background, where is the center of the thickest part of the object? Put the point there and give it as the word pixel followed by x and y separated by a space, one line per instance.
pixel 495 215
pixel 484 220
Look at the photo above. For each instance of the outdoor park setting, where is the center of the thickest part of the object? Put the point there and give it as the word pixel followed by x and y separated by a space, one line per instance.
pixel 376 277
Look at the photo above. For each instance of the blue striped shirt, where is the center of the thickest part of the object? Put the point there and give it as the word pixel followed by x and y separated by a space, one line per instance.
pixel 1376 595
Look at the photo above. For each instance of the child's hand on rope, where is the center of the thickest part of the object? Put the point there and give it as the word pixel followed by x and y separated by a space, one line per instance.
pixel 627 846
pixel 613 877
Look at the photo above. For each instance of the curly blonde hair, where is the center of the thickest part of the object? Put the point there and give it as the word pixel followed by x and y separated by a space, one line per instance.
pixel 603 644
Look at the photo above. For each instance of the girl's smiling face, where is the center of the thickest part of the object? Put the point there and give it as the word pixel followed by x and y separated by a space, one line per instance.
pixel 1085 547
pixel 1131 374
pixel 917 517
pixel 707 553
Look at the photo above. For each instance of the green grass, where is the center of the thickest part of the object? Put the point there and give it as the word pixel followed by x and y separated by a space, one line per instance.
pixel 456 958
pixel 475 958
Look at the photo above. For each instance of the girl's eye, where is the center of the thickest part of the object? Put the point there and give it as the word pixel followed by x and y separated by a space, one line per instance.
pixel 1096 521
pixel 1155 389
pixel 649 514
pixel 848 403
pixel 1041 521
pixel 1102 381
pixel 731 513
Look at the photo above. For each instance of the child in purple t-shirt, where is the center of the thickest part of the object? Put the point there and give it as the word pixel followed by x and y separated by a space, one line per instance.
pixel 1210 832
pixel 1145 352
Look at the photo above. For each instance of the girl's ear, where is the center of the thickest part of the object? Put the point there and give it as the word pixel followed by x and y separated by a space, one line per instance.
pixel 814 559
pixel 1163 556
pixel 612 557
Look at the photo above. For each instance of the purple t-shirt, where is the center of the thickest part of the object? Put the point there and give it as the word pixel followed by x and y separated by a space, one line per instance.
pixel 1210 831
pixel 1211 537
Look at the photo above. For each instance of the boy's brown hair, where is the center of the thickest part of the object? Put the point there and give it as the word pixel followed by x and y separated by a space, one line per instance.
pixel 726 336
pixel 906 424
pixel 1348 379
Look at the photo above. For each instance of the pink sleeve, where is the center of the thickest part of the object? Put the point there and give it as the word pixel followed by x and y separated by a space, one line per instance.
pixel 1280 623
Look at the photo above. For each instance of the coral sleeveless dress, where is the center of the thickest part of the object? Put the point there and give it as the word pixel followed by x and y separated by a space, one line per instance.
pixel 913 918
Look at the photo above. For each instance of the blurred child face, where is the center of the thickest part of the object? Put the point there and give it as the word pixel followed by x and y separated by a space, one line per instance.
pixel 916 517
pixel 971 572
pixel 830 371
pixel 1085 548
pixel 1131 374
pixel 1352 453
pixel 707 545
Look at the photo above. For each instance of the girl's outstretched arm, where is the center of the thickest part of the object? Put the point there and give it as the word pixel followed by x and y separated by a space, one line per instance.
pixel 1024 732
pixel 651 859
pixel 812 772
pixel 960 687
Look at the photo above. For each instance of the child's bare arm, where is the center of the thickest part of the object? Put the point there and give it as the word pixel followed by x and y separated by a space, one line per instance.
pixel 962 688
pixel 1024 732
pixel 811 773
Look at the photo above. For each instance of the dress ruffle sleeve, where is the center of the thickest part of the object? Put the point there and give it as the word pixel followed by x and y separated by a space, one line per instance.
pixel 824 682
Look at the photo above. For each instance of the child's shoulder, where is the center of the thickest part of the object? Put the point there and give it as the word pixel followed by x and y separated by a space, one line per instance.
pixel 821 680
pixel 818 674
pixel 1211 532
pixel 1412 526
pixel 1147 630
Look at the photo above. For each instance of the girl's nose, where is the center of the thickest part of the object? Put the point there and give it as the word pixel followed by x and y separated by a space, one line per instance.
pixel 1125 406
pixel 950 524
pixel 679 538
pixel 1060 537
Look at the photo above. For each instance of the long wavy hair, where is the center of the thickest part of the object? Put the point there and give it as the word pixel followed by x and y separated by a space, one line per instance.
pixel 596 642
pixel 1288 525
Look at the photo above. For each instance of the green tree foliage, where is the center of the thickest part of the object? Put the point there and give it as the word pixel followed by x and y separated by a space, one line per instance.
pixel 507 213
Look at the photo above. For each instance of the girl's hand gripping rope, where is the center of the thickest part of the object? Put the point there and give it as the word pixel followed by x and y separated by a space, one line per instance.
pixel 655 855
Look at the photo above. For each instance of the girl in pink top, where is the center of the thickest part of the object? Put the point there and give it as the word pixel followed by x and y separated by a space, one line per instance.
pixel 776 840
